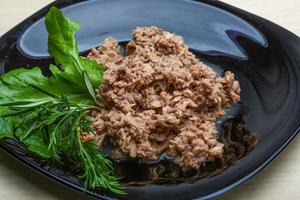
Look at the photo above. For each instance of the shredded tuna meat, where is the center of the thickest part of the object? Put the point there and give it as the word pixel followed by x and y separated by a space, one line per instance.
pixel 160 98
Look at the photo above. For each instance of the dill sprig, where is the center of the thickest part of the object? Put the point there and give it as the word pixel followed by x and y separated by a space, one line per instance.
pixel 62 124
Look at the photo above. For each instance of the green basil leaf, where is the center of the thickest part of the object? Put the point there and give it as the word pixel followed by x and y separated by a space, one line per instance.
pixel 34 141
pixel 17 85
pixel 6 128
pixel 62 46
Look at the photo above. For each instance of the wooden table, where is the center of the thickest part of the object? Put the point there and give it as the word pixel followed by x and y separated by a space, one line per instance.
pixel 279 180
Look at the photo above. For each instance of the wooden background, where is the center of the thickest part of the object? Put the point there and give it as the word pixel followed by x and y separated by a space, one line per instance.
pixel 279 180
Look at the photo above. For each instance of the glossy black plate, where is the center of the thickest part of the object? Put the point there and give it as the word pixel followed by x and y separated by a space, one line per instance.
pixel 264 56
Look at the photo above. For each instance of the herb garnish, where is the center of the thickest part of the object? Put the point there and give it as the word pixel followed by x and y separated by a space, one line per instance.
pixel 49 114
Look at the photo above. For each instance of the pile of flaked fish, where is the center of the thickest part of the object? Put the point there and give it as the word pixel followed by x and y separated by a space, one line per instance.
pixel 160 99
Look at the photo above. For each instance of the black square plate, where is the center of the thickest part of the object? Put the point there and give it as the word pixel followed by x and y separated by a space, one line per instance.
pixel 264 56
